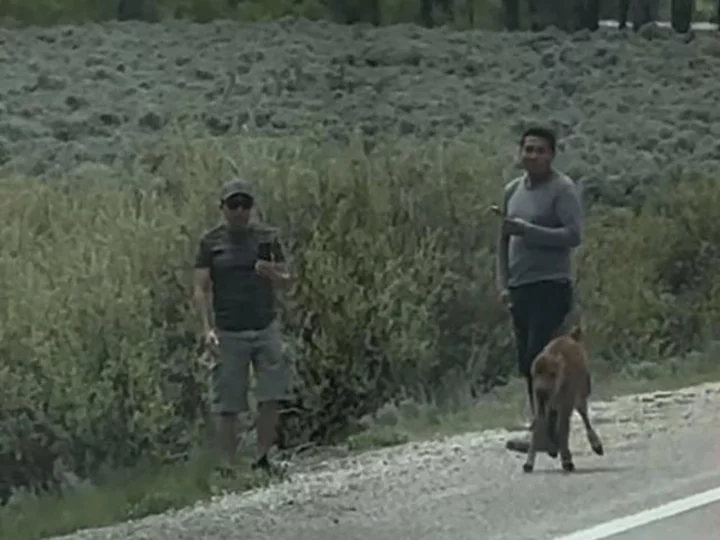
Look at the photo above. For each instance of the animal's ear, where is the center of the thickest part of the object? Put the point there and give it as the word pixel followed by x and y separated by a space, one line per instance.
pixel 576 333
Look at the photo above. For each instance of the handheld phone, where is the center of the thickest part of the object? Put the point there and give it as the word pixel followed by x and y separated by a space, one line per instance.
pixel 264 251
pixel 265 254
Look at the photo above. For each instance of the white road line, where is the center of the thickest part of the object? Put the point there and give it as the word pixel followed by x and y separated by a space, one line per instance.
pixel 604 530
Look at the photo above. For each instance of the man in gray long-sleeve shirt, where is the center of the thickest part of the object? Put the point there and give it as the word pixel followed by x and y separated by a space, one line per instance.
pixel 542 223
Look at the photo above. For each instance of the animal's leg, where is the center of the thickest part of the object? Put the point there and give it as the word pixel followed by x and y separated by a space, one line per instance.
pixel 529 464
pixel 539 415
pixel 592 437
pixel 552 433
pixel 563 424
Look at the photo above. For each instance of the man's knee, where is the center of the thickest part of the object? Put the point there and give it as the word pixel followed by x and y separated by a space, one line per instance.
pixel 268 406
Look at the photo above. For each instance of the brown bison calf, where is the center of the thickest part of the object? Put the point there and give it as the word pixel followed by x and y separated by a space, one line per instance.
pixel 561 382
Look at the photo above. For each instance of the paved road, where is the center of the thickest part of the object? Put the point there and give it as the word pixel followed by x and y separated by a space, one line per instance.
pixel 700 524
pixel 470 487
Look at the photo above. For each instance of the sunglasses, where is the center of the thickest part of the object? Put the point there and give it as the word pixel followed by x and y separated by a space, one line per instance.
pixel 240 201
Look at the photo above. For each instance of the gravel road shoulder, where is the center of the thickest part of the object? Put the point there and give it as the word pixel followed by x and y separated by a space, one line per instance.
pixel 658 445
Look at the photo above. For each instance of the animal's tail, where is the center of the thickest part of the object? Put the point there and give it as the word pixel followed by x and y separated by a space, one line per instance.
pixel 576 333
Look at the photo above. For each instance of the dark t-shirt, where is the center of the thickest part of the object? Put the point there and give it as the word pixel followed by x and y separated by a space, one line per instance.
pixel 242 300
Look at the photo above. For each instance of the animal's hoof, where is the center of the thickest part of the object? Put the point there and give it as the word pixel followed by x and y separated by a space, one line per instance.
pixel 568 466
pixel 598 449
pixel 527 467
pixel 552 453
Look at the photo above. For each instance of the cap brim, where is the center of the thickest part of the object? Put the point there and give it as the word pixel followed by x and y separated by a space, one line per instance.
pixel 227 196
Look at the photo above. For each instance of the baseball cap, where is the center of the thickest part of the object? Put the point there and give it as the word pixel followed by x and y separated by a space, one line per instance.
pixel 236 186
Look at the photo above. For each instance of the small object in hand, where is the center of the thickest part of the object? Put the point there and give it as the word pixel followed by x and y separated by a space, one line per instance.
pixel 264 251
pixel 265 256
pixel 270 270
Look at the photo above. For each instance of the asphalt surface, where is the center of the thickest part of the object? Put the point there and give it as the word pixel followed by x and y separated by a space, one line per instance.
pixel 542 505
pixel 700 524
pixel 470 487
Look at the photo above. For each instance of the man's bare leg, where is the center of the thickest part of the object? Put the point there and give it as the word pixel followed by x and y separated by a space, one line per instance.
pixel 267 426
pixel 226 431
pixel 266 431
pixel 523 444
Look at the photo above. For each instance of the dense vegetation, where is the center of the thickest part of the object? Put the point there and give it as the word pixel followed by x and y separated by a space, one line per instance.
pixel 395 296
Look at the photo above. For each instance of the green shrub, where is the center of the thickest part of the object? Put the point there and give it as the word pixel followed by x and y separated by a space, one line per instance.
pixel 394 297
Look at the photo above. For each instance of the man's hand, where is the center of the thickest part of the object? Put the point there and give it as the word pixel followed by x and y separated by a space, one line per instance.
pixel 504 298
pixel 211 340
pixel 514 226
pixel 273 271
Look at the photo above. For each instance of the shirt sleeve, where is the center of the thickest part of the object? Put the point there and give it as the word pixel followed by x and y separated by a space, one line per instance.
pixel 203 256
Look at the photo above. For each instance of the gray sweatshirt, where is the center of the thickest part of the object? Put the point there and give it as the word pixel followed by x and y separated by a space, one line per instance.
pixel 554 210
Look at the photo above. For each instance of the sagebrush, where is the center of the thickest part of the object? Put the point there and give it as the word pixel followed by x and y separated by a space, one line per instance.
pixel 395 297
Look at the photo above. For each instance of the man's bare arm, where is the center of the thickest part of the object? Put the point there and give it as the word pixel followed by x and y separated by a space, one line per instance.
pixel 501 261
pixel 283 275
pixel 201 295
pixel 502 244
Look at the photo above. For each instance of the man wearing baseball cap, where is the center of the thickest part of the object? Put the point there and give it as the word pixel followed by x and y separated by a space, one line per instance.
pixel 239 264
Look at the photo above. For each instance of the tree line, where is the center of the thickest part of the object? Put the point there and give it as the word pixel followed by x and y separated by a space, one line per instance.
pixel 567 15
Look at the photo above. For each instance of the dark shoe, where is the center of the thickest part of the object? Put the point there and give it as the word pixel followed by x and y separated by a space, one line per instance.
pixel 518 445
pixel 224 472
pixel 264 464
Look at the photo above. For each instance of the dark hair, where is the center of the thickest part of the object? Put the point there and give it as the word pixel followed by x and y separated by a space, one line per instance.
pixel 541 132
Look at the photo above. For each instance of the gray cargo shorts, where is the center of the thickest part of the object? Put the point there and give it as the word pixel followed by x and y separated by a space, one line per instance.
pixel 230 372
